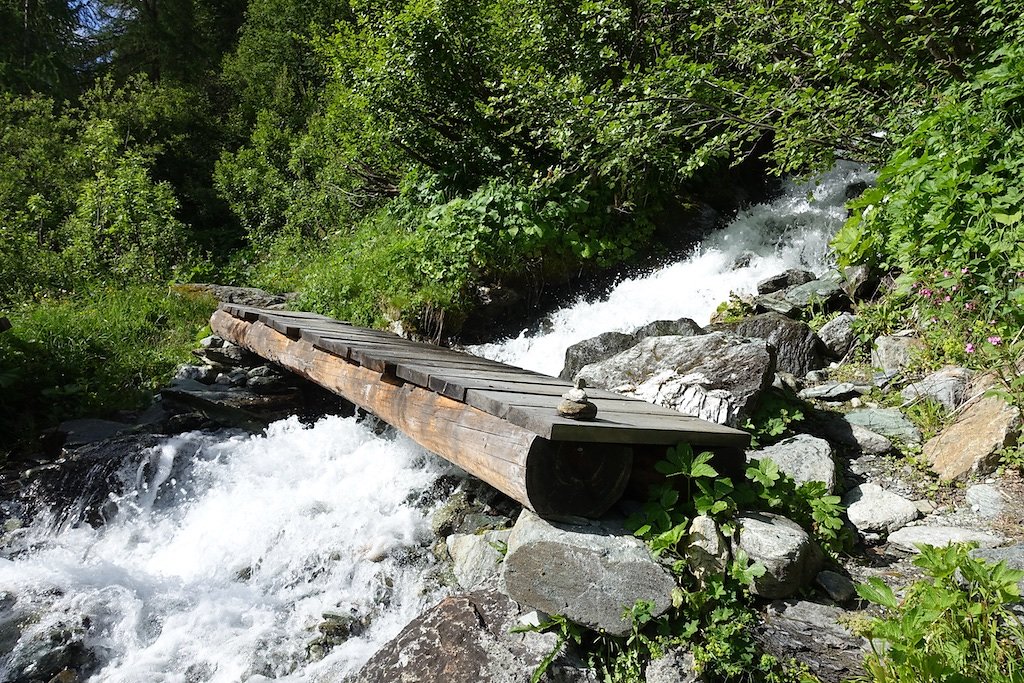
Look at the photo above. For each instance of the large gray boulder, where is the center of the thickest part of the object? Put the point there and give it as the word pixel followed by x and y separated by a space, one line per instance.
pixel 838 335
pixel 789 555
pixel 608 344
pixel 947 386
pixel 595 349
pixel 797 348
pixel 893 353
pixel 873 510
pixel 825 294
pixel 803 457
pixel 971 445
pixel 888 422
pixel 590 572
pixel 468 638
pixel 784 280
pixel 908 538
pixel 716 376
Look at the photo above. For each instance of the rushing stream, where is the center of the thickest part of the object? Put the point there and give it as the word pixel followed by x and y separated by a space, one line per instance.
pixel 221 562
pixel 791 232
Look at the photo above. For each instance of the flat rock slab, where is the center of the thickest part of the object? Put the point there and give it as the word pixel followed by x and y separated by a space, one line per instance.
pixel 971 445
pixel 872 509
pixel 824 293
pixel 245 296
pixel 835 392
pixel 85 431
pixel 908 538
pixel 803 457
pixel 1012 555
pixel 813 635
pixel 590 573
pixel 716 376
pixel 790 557
pixel 888 422
pixel 947 386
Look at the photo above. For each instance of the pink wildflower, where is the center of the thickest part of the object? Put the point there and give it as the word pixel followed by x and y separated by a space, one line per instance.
pixel 969 348
pixel 995 340
pixel 926 293
pixel 949 298
pixel 946 273
pixel 964 270
pixel 969 306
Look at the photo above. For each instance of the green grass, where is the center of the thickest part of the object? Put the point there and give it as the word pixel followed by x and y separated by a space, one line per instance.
pixel 91 354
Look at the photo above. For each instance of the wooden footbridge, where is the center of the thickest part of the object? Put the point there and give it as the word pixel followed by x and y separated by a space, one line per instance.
pixel 495 421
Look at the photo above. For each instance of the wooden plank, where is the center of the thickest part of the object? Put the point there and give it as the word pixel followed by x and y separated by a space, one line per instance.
pixel 616 427
pixel 386 359
pixel 556 480
pixel 498 403
pixel 459 378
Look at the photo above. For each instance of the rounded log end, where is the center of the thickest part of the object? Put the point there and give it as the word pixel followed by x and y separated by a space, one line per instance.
pixel 569 479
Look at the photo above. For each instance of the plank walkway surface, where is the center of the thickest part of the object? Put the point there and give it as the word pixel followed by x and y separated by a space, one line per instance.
pixel 498 420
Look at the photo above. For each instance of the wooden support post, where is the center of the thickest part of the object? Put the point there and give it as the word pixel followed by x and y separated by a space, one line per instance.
pixel 555 479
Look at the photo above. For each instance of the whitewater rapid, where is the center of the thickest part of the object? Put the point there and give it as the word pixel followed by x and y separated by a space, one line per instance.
pixel 228 548
pixel 792 231
pixel 224 557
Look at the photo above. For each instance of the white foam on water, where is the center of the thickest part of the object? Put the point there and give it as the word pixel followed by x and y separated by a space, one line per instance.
pixel 221 563
pixel 792 231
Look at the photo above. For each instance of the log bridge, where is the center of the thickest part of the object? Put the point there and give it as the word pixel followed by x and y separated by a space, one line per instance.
pixel 493 420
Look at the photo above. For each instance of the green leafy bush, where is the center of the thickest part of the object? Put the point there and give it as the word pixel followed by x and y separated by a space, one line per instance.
pixel 955 626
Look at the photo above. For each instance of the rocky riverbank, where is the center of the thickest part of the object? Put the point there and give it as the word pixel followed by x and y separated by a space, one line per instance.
pixel 759 366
